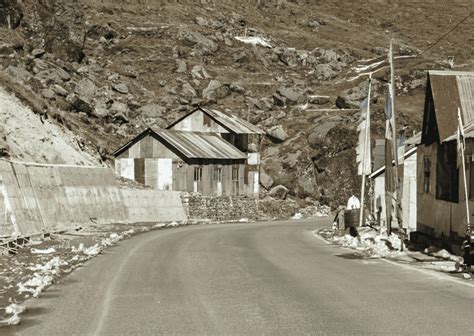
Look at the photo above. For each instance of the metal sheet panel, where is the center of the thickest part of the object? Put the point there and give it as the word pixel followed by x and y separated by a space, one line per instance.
pixel 233 123
pixel 452 90
pixel 194 145
pixel 466 96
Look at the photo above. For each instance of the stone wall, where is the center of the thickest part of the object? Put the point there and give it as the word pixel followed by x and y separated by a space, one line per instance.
pixel 219 208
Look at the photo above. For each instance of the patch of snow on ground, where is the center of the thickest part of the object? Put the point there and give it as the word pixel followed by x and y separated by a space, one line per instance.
pixel 46 251
pixel 14 310
pixel 42 277
pixel 297 215
pixel 372 244
pixel 255 40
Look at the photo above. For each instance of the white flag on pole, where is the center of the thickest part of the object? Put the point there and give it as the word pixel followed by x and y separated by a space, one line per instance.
pixel 363 147
pixel 461 144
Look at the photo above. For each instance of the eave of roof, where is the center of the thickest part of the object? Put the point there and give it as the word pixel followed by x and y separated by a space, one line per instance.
pixel 232 123
pixel 381 170
pixel 191 145
pixel 452 90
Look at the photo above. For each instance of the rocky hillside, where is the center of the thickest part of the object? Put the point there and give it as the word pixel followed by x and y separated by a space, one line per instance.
pixel 106 69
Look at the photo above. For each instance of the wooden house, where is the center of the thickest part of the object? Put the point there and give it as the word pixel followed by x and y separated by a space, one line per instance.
pixel 201 162
pixel 440 184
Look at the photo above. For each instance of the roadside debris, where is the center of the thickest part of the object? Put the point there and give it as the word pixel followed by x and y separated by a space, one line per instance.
pixel 374 243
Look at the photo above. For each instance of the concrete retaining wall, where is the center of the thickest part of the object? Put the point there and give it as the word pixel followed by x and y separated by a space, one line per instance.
pixel 39 198
pixel 153 206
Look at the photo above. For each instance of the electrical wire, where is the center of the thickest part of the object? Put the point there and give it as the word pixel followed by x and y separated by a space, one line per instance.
pixel 448 32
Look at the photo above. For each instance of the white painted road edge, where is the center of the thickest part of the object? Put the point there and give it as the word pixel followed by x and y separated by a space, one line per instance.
pixel 435 274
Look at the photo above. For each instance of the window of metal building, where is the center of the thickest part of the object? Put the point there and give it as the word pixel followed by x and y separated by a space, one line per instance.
pixel 426 174
pixel 198 174
pixel 235 173
pixel 447 173
pixel 218 174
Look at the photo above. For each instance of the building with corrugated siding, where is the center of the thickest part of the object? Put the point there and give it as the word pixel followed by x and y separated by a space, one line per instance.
pixel 440 184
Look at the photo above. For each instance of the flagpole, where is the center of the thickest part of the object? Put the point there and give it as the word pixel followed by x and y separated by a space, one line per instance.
pixel 364 157
pixel 462 145
pixel 396 194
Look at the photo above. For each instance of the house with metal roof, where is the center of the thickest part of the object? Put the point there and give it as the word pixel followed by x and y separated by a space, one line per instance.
pixel 201 162
pixel 240 133
pixel 440 185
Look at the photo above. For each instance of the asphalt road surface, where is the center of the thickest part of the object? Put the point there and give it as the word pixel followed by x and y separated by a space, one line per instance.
pixel 247 279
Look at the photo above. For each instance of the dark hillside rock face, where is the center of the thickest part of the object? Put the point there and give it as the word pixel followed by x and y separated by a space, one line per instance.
pixel 11 14
pixel 125 65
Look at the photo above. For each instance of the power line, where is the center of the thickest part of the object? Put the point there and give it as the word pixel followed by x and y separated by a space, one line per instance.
pixel 448 32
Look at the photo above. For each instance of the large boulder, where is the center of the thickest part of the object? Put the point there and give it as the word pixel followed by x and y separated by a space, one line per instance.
pixel 265 180
pixel 86 89
pixel 198 72
pixel 121 88
pixel 214 91
pixel 152 111
pixel 291 95
pixel 202 45
pixel 181 66
pixel 278 192
pixel 188 91
pixel 277 133
pixel 352 98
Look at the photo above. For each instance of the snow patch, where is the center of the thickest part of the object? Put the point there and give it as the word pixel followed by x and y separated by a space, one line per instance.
pixel 46 251
pixel 255 40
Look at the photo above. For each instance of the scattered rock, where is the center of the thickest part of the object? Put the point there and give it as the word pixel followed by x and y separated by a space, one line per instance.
pixel 277 133
pixel 47 93
pixel 318 100
pixel 240 57
pixel 265 180
pixel 81 105
pixel 181 66
pixel 59 90
pixel 279 100
pixel 152 111
pixel 19 73
pixel 86 89
pixel 121 88
pixel 188 91
pixel 39 65
pixel 314 24
pixel 37 53
pixel 324 71
pixel 236 87
pixel 202 45
pixel 198 72
pixel 290 94
pixel 7 48
pixel 278 192
pixel 214 91
pixel 119 108
pixel 351 98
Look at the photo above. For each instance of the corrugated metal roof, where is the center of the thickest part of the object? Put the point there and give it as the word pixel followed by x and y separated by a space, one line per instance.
pixel 233 123
pixel 197 145
pixel 452 90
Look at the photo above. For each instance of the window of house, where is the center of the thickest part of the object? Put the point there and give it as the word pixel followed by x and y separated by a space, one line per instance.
pixel 235 173
pixel 218 174
pixel 426 174
pixel 447 173
pixel 198 174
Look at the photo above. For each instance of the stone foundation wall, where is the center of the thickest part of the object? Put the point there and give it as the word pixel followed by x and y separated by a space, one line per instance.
pixel 219 208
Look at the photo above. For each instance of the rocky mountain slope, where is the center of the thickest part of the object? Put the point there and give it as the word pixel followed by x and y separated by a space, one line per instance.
pixel 104 70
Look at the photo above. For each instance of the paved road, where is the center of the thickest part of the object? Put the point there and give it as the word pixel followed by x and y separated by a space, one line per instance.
pixel 246 279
